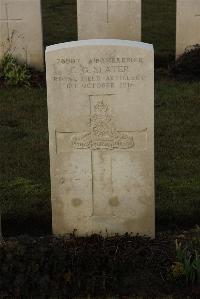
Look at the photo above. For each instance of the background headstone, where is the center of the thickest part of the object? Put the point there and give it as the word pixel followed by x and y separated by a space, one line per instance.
pixel 187 24
pixel 120 19
pixel 21 31
pixel 101 135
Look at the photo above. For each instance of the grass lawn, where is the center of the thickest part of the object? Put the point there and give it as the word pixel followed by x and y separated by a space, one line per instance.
pixel 24 161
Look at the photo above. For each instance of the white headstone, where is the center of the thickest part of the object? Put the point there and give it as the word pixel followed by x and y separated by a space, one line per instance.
pixel 101 136
pixel 120 19
pixel 21 31
pixel 187 24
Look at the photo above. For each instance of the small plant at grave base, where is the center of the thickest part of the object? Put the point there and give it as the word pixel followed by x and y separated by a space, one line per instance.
pixel 13 73
pixel 187 266
pixel 187 66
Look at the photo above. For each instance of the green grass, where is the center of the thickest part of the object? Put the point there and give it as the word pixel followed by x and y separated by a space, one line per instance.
pixel 177 139
pixel 24 162
pixel 24 157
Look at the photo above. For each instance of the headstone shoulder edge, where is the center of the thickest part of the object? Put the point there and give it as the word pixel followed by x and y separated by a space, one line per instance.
pixel 99 42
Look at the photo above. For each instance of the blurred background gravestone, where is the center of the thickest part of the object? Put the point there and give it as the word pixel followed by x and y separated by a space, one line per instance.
pixel 187 24
pixel 117 19
pixel 21 31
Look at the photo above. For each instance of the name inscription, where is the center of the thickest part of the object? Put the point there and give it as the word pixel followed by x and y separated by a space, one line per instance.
pixel 99 73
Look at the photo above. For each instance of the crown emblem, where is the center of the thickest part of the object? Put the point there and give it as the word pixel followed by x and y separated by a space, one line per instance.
pixel 102 133
pixel 101 108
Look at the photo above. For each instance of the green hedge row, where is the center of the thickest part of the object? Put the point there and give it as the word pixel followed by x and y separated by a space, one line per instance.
pixel 72 266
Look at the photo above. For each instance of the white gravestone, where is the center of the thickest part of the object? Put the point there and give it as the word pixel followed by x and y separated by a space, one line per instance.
pixel 101 136
pixel 21 31
pixel 120 19
pixel 187 24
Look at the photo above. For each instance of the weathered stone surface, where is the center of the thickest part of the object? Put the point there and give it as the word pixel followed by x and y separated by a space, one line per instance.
pixel 120 19
pixel 21 31
pixel 101 135
pixel 187 24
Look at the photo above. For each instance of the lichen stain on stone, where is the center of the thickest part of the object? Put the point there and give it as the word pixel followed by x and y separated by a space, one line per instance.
pixel 114 201
pixel 76 202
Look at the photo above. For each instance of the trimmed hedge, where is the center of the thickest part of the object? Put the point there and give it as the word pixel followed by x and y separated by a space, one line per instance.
pixel 187 66
pixel 70 266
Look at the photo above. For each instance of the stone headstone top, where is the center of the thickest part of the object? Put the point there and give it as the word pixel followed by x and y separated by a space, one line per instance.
pixel 99 42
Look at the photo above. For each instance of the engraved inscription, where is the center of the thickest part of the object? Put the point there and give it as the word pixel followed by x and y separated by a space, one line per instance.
pixel 102 133
pixel 107 72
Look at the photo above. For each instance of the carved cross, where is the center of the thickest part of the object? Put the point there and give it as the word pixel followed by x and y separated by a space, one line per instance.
pixel 8 20
pixel 101 136
pixel 108 3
